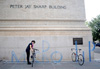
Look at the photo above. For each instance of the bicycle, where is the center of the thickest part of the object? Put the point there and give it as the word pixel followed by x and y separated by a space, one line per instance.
pixel 77 57
pixel 33 55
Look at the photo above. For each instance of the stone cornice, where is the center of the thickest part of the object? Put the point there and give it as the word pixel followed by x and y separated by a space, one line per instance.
pixel 44 29
pixel 73 20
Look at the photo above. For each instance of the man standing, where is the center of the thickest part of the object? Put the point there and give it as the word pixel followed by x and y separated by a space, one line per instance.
pixel 29 47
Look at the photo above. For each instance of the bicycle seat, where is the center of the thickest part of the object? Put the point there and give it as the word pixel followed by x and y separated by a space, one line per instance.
pixel 79 49
pixel 72 49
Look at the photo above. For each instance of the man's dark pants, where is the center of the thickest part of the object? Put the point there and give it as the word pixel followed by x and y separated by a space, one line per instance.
pixel 28 56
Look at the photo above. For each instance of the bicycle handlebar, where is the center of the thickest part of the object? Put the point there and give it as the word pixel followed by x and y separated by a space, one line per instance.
pixel 34 49
pixel 75 49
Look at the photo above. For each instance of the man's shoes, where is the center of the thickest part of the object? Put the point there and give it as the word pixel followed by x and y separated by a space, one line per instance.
pixel 29 63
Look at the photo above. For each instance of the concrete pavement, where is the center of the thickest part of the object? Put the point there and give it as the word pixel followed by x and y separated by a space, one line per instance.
pixel 62 65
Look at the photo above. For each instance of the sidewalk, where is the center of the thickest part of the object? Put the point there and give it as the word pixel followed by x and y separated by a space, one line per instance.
pixel 62 65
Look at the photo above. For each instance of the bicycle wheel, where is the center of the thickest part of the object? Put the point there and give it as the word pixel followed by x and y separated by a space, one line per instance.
pixel 80 59
pixel 73 56
pixel 32 61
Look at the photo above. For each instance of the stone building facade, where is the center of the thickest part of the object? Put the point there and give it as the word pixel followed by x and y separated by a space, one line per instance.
pixel 54 24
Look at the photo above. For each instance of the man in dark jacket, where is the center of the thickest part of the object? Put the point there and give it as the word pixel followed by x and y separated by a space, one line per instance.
pixel 29 47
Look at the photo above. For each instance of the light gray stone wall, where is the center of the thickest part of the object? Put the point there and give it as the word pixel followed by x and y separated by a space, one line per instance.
pixel 74 10
pixel 52 28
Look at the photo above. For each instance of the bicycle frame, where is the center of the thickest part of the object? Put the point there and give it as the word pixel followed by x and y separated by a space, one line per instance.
pixel 33 55
pixel 76 57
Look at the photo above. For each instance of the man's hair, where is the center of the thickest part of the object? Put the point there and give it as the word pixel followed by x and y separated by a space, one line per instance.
pixel 33 41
